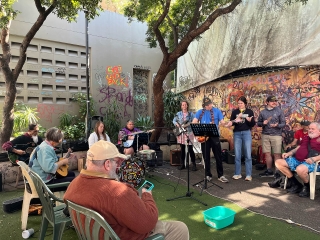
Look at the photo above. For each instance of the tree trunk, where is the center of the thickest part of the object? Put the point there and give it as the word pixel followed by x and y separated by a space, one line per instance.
pixel 11 76
pixel 158 100
pixel 7 119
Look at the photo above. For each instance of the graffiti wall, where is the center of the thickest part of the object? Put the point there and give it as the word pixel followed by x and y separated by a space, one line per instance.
pixel 297 91
pixel 140 89
pixel 112 84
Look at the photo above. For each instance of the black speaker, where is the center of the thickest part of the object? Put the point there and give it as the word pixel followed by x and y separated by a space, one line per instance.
pixel 94 120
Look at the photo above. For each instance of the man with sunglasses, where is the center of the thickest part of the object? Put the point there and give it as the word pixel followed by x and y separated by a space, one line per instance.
pixel 272 120
pixel 129 215
pixel 21 147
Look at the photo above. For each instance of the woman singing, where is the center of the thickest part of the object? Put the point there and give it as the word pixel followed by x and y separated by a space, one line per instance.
pixel 183 118
pixel 98 134
pixel 242 119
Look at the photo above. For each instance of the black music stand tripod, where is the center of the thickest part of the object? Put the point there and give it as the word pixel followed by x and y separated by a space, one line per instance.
pixel 188 193
pixel 206 130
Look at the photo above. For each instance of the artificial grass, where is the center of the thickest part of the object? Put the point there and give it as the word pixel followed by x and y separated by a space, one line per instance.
pixel 247 225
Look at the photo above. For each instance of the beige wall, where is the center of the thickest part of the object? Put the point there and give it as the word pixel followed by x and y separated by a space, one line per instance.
pixel 55 68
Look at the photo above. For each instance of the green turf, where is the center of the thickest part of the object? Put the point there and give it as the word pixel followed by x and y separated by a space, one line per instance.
pixel 247 225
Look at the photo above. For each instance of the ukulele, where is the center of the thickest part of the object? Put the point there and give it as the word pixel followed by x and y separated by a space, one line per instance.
pixel 202 139
pixel 62 171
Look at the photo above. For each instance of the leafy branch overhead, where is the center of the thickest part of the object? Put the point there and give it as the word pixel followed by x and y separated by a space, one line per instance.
pixel 175 20
pixel 64 9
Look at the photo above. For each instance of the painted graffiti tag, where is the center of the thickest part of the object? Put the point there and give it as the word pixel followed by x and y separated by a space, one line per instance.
pixel 125 98
pixel 48 111
pixel 114 76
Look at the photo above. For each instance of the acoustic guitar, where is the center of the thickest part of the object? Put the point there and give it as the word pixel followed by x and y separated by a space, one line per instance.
pixel 13 157
pixel 62 171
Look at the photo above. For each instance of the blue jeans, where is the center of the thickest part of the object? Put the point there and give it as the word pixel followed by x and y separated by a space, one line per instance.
pixel 243 141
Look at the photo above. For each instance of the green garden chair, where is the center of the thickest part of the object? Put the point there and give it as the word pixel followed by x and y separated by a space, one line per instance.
pixel 92 233
pixel 50 213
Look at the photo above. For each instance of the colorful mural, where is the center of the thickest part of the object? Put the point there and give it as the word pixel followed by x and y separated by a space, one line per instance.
pixel 297 90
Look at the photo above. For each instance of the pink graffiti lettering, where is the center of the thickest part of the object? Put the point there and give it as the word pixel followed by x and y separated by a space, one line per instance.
pixel 46 112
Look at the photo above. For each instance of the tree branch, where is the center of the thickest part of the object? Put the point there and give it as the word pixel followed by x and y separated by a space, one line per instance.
pixel 196 15
pixel 156 30
pixel 173 66
pixel 174 31
pixel 6 54
pixel 180 50
pixel 39 6
pixel 30 35
pixel 51 8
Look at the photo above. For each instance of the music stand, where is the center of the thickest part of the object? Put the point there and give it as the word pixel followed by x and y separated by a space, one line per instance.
pixel 188 193
pixel 206 130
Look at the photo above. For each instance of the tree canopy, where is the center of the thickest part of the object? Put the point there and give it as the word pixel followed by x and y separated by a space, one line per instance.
pixel 173 25
pixel 64 9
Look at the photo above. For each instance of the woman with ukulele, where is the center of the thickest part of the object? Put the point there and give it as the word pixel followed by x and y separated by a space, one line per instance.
pixel 46 163
pixel 130 131
pixel 182 122
pixel 98 134
pixel 242 119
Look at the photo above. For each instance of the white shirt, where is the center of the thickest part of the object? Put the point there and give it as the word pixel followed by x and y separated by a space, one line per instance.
pixel 94 138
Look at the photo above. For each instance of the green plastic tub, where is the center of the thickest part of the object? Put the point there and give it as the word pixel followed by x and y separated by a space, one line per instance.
pixel 219 217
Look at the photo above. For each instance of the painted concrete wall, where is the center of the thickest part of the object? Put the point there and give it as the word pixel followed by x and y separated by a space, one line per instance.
pixel 55 68
pixel 297 90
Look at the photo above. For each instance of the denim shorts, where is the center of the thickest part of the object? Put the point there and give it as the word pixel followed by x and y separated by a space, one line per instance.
pixel 293 163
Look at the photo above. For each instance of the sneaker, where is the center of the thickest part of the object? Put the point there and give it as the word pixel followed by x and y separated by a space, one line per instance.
pixel 236 177
pixel 267 173
pixel 248 178
pixel 209 178
pixel 223 179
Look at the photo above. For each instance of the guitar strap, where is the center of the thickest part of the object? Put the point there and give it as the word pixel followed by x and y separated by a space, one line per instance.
pixel 35 155
pixel 211 113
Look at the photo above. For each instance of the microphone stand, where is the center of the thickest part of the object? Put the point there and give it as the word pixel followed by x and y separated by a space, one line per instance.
pixel 188 193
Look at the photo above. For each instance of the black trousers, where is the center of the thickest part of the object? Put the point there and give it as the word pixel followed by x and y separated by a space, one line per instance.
pixel 214 144
pixel 183 153
pixel 71 175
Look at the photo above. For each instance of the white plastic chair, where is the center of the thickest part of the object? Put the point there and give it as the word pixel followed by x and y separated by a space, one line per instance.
pixel 312 181
pixel 29 193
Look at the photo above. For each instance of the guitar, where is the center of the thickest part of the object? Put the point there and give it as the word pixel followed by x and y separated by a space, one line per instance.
pixel 62 171
pixel 177 131
pixel 13 157
pixel 202 139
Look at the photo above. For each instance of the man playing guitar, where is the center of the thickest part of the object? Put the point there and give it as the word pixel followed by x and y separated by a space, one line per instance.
pixel 21 147
pixel 44 160
pixel 209 114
